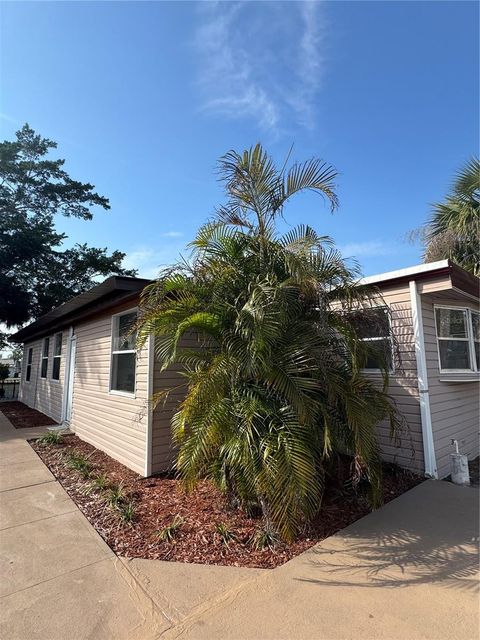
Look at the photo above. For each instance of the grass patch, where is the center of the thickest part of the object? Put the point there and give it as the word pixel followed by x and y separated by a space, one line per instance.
pixel 52 437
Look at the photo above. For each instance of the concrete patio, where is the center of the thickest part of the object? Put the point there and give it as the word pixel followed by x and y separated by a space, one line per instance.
pixel 407 571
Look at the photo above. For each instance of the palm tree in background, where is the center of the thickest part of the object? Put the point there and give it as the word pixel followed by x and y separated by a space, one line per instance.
pixel 276 388
pixel 453 231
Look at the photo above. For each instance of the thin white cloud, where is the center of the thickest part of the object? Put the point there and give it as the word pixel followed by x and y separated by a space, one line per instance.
pixel 262 61
pixel 172 234
pixel 7 118
pixel 149 262
pixel 367 249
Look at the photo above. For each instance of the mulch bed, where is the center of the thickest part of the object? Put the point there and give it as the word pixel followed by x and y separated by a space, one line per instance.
pixel 159 499
pixel 23 417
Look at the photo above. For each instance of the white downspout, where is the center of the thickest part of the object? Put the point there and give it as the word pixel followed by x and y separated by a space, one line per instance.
pixel 422 376
pixel 149 432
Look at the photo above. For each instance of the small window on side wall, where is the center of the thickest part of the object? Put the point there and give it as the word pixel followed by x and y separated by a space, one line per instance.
pixel 457 338
pixel 57 356
pixel 44 362
pixel 28 369
pixel 373 327
pixel 124 355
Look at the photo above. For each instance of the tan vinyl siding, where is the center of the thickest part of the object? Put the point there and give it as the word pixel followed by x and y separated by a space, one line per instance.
pixel 403 386
pixel 454 406
pixel 163 452
pixel 113 423
pixel 43 394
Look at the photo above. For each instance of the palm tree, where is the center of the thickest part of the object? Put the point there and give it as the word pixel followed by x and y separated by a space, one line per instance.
pixel 276 387
pixel 453 231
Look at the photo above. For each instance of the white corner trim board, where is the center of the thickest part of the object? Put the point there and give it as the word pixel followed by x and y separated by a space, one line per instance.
pixel 149 432
pixel 422 376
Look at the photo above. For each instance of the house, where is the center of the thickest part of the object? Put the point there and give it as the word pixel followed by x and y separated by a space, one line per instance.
pixel 13 366
pixel 82 369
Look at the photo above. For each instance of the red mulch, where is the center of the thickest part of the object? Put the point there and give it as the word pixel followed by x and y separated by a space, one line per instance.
pixel 23 417
pixel 159 499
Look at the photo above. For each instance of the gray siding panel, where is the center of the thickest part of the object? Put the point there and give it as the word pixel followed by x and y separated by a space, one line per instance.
pixel 454 405
pixel 403 385
pixel 113 423
pixel 163 451
pixel 43 394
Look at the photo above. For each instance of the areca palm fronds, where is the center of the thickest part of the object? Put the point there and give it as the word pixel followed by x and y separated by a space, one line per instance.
pixel 274 386
pixel 453 231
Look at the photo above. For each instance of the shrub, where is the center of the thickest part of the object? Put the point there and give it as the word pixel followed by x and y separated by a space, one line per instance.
pixel 169 533
pixel 98 484
pixel 264 538
pixel 225 534
pixel 80 463
pixel 126 511
pixel 117 496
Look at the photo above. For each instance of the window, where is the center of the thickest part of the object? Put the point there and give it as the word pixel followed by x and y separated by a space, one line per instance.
pixel 373 326
pixel 124 354
pixel 476 336
pixel 28 371
pixel 458 339
pixel 57 356
pixel 44 362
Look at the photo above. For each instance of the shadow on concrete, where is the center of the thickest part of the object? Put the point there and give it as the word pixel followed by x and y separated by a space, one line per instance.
pixel 427 536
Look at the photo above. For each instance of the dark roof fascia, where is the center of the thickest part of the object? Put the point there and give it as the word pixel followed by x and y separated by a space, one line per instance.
pixel 465 281
pixel 112 292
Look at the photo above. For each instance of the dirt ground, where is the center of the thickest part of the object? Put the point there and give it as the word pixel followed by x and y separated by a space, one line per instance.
pixel 23 417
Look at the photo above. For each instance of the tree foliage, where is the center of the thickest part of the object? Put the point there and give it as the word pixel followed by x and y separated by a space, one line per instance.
pixel 36 272
pixel 276 388
pixel 453 230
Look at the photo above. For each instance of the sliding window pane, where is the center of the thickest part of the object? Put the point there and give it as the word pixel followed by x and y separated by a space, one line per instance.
pixel 454 354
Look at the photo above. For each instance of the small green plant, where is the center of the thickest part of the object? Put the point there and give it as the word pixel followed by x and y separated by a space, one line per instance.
pixel 117 496
pixel 264 538
pixel 127 512
pixel 101 482
pixel 80 463
pixel 225 534
pixel 52 437
pixel 98 484
pixel 169 533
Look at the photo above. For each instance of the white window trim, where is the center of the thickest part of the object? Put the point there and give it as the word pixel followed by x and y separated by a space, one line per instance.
pixel 115 392
pixel 54 380
pixel 391 371
pixel 42 358
pixel 471 342
pixel 28 365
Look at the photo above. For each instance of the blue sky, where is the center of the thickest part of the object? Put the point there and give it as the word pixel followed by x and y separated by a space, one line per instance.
pixel 143 97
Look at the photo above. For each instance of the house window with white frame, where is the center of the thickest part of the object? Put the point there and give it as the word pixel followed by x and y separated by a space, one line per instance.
pixel 28 369
pixel 57 356
pixel 44 360
pixel 458 338
pixel 124 354
pixel 373 326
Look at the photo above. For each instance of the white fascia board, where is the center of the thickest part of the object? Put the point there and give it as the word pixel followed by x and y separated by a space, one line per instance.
pixel 404 273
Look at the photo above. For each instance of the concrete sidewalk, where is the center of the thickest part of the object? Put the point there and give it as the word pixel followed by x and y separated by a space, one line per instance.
pixel 405 572
pixel 60 581
pixel 408 571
